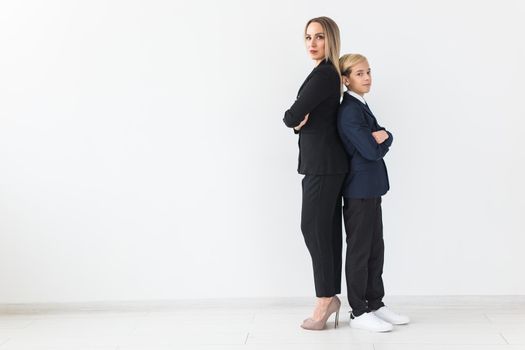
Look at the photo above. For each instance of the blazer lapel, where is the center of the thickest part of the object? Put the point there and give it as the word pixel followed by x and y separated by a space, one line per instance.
pixel 371 115
pixel 310 75
pixel 371 118
pixel 305 81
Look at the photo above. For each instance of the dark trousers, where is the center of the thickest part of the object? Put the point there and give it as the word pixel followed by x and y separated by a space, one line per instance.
pixel 364 254
pixel 322 230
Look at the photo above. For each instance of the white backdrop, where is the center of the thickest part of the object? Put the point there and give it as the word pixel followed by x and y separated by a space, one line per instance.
pixel 143 154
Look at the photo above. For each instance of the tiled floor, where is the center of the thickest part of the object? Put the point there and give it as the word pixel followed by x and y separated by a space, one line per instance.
pixel 463 323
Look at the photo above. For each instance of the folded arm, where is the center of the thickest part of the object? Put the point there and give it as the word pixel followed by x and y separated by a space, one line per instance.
pixel 315 91
pixel 355 132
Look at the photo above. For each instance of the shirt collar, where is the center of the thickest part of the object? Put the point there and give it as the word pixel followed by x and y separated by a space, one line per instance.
pixel 359 97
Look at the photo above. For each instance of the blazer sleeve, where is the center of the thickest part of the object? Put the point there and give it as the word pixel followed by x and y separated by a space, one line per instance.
pixel 389 140
pixel 355 132
pixel 385 146
pixel 316 90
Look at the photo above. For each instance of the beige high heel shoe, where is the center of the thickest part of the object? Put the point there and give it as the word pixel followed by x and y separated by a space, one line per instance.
pixel 313 325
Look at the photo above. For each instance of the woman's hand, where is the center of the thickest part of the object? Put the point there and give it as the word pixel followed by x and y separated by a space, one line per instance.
pixel 380 136
pixel 298 127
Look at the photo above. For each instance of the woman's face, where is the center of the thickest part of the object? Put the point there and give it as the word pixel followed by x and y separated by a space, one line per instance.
pixel 315 41
pixel 360 80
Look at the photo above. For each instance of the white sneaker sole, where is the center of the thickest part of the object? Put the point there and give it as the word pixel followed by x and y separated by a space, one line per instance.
pixel 398 323
pixel 377 330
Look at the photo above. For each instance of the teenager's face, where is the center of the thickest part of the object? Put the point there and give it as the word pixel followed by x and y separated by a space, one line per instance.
pixel 315 40
pixel 360 80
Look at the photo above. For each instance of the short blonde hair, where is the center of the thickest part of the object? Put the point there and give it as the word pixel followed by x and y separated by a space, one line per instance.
pixel 348 61
pixel 333 41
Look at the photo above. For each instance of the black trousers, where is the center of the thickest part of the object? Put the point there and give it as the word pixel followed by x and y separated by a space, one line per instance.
pixel 321 225
pixel 364 254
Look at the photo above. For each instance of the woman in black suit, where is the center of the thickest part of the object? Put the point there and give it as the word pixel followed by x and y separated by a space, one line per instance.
pixel 324 164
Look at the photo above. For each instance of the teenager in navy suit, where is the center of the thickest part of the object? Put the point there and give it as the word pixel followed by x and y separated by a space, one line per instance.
pixel 324 164
pixel 366 143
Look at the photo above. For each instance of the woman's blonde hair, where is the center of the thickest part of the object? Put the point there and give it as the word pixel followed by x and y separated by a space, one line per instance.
pixel 332 43
pixel 348 61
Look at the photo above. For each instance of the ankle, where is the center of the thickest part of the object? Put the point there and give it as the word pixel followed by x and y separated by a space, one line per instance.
pixel 324 300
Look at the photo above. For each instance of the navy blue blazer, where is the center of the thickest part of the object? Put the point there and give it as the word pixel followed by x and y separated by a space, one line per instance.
pixel 368 177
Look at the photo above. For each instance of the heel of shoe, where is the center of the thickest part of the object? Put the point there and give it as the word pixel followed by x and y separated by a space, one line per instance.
pixel 336 323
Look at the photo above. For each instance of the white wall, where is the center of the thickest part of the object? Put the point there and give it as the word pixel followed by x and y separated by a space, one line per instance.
pixel 143 156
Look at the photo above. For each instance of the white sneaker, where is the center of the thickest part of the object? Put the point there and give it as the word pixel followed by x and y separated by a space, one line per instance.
pixel 370 322
pixel 390 316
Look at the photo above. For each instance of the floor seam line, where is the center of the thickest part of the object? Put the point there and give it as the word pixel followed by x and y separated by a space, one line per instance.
pixel 505 339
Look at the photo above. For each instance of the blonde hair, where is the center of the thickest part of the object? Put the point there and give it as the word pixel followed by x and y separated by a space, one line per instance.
pixel 348 61
pixel 332 43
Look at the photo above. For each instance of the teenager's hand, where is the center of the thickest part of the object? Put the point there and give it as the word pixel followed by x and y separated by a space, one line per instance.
pixel 380 136
pixel 298 127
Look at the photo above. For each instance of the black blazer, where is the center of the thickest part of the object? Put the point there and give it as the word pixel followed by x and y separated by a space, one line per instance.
pixel 368 176
pixel 320 149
